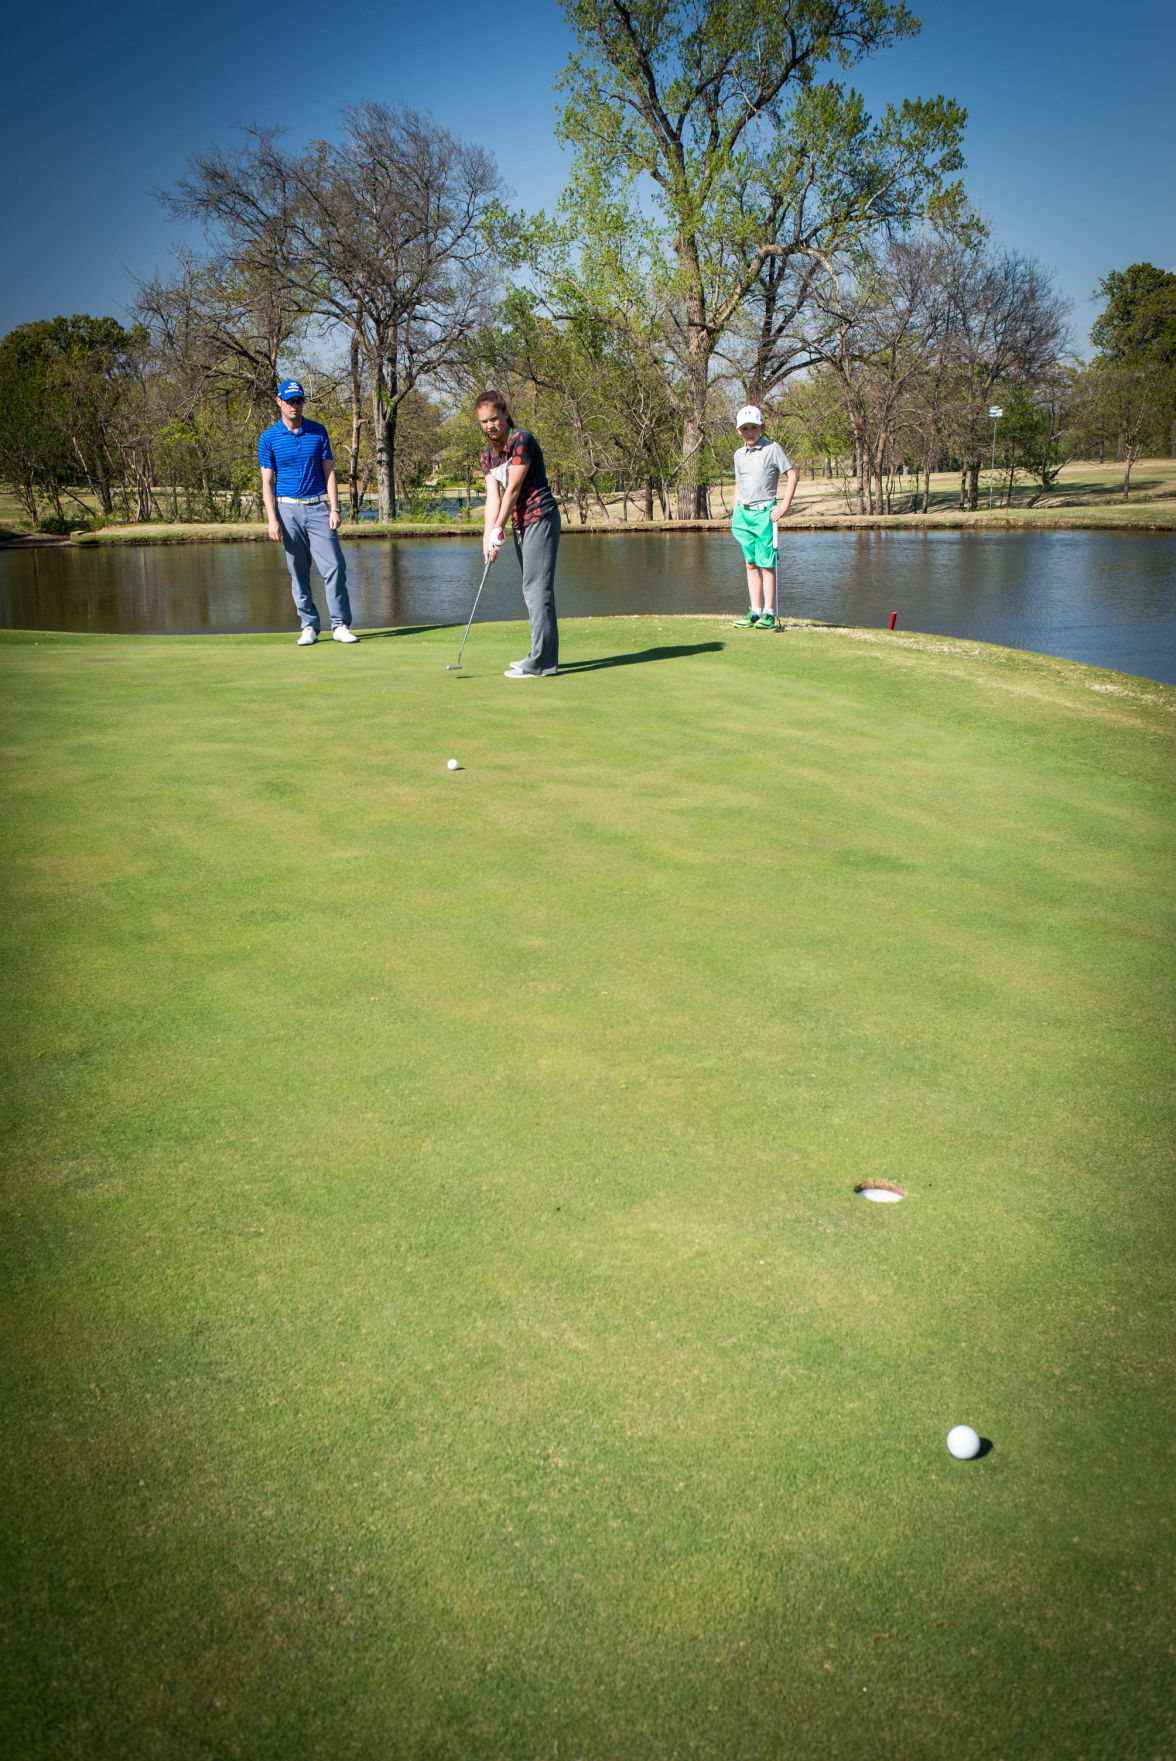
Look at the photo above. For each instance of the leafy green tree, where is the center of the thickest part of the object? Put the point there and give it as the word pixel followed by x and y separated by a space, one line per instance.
pixel 1136 337
pixel 1128 400
pixel 61 381
pixel 33 453
pixel 587 396
pixel 1036 429
pixel 705 149
pixel 95 359
pixel 1140 317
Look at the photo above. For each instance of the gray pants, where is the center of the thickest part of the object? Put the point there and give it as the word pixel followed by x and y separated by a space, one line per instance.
pixel 537 547
pixel 306 533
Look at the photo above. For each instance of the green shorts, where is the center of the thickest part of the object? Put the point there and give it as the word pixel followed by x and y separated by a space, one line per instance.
pixel 752 530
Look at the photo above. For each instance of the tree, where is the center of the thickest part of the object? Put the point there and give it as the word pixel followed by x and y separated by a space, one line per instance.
pixel 380 236
pixel 1010 327
pixel 61 382
pixel 33 456
pixel 886 319
pixel 751 162
pixel 1128 399
pixel 1140 318
pixel 1035 429
pixel 1137 333
pixel 603 426
pixel 229 319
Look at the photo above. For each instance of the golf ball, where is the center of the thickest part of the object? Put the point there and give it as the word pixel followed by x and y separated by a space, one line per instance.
pixel 453 765
pixel 963 1442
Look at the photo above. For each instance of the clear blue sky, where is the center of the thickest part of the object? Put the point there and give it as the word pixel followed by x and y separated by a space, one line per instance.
pixel 1070 140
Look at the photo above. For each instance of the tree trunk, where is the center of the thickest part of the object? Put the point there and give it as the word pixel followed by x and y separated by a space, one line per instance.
pixel 356 424
pixel 649 499
pixel 384 430
pixel 859 470
pixel 26 494
pixel 974 484
pixel 691 489
pixel 385 426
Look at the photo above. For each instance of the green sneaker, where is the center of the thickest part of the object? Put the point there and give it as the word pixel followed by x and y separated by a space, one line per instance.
pixel 766 622
pixel 749 620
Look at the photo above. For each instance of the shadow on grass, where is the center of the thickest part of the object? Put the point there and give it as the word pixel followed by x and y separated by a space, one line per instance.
pixel 644 654
pixel 408 630
pixel 576 666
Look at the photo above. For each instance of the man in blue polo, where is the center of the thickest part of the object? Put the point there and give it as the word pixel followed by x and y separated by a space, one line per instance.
pixel 301 500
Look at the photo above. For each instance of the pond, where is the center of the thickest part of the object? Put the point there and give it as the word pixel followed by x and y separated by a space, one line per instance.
pixel 1108 598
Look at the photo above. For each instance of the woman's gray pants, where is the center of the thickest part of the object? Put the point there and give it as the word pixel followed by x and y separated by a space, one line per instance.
pixel 537 547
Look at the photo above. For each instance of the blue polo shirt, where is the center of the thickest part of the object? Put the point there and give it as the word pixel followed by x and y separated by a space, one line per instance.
pixel 296 458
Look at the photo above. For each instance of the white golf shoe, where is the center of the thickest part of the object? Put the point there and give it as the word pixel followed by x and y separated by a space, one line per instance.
pixel 308 637
pixel 341 633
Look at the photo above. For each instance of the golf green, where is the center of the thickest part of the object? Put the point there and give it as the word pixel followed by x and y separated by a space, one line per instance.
pixel 439 1321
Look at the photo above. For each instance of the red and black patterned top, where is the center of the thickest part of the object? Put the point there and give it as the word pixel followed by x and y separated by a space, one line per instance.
pixel 535 497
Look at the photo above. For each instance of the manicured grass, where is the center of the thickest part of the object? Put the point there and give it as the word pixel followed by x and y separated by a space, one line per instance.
pixel 438 1319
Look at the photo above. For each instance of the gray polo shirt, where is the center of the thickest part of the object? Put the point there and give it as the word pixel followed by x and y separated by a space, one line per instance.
pixel 758 469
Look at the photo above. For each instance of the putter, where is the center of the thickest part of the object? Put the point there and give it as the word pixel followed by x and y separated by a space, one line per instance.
pixel 455 666
pixel 776 573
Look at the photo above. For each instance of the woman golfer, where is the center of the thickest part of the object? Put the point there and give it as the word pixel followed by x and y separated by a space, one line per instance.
pixel 517 491
pixel 759 464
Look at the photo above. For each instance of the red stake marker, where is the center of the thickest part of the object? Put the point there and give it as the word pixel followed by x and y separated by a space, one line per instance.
pixel 893 615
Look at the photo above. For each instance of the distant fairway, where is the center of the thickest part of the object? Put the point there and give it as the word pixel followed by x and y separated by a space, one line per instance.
pixel 438 1321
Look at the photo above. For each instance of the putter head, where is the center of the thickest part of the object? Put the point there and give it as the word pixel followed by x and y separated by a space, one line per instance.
pixel 454 667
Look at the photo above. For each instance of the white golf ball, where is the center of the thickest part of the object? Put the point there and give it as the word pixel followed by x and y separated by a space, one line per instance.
pixel 963 1442
pixel 453 765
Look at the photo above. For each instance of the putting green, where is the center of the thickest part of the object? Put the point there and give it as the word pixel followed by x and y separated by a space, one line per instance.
pixel 439 1318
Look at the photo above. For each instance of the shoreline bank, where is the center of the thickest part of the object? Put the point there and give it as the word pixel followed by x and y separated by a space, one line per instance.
pixel 1139 516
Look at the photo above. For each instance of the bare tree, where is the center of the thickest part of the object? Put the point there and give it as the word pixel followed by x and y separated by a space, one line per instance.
pixel 380 235
pixel 881 319
pixel 1010 326
pixel 230 318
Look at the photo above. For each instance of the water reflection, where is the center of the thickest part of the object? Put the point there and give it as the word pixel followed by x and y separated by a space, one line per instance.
pixel 1108 598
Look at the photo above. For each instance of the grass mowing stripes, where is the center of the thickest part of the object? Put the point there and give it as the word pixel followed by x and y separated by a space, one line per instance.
pixel 438 1319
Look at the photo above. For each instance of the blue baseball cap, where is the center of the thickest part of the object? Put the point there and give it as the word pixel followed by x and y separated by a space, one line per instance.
pixel 289 389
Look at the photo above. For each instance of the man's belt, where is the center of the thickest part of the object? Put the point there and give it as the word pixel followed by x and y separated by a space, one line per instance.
pixel 306 501
pixel 755 507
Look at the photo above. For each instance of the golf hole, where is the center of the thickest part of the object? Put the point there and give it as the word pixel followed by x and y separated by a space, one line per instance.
pixel 883 1192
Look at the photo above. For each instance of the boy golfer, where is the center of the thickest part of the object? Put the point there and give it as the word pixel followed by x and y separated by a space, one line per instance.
pixel 759 464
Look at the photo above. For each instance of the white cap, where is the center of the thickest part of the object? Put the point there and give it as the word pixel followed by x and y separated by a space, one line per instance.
pixel 749 413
